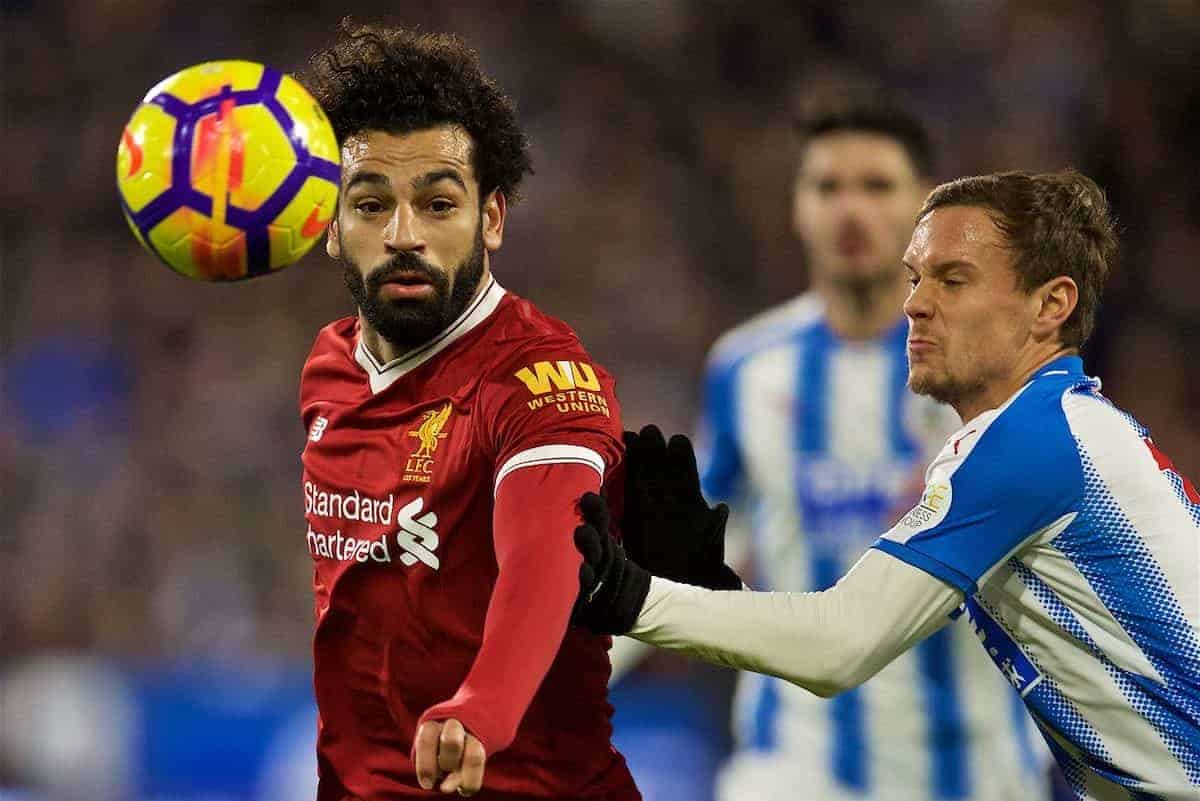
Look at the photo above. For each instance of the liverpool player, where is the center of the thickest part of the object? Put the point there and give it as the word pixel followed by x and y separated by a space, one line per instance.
pixel 452 428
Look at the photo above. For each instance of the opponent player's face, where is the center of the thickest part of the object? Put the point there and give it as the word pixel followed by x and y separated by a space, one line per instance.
pixel 968 318
pixel 410 229
pixel 854 201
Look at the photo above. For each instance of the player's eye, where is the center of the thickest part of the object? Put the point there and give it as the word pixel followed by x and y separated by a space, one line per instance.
pixel 879 186
pixel 826 187
pixel 441 206
pixel 368 206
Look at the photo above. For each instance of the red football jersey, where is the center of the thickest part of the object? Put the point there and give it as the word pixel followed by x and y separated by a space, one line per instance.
pixel 401 467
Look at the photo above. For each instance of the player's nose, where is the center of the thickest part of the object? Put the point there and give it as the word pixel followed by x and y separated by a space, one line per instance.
pixel 402 231
pixel 919 304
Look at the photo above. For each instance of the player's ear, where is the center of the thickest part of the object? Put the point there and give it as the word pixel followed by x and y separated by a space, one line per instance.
pixel 1056 300
pixel 333 245
pixel 493 214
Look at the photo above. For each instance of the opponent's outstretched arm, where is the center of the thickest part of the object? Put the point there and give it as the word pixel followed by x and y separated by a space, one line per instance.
pixel 826 642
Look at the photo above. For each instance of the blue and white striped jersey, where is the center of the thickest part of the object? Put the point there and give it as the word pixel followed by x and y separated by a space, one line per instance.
pixel 1078 546
pixel 819 445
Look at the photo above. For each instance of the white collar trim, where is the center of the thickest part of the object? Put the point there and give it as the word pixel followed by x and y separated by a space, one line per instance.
pixel 383 376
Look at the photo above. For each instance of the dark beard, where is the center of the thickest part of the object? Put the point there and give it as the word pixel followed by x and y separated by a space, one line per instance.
pixel 408 323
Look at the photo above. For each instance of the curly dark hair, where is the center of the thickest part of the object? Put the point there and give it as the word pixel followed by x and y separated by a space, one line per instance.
pixel 397 80
pixel 1056 223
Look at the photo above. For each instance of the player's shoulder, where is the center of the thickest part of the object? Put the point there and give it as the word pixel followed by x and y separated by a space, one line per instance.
pixel 1095 421
pixel 338 336
pixel 1027 441
pixel 521 318
pixel 1038 414
pixel 537 380
pixel 773 327
pixel 524 333
pixel 332 349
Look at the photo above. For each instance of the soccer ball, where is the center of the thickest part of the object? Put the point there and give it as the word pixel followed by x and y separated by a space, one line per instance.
pixel 228 170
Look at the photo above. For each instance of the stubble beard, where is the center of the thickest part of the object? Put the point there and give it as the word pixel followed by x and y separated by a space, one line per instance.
pixel 944 388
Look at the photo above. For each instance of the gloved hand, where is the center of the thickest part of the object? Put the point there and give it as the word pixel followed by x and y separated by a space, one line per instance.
pixel 668 528
pixel 612 588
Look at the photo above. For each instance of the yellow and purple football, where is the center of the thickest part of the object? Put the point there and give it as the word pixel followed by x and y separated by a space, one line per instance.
pixel 228 170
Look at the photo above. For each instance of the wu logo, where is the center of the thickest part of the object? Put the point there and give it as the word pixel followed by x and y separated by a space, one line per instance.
pixel 416 536
pixel 318 428
pixel 561 375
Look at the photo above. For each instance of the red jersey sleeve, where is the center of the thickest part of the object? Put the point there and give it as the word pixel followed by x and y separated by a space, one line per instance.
pixel 551 420
pixel 547 404
pixel 531 602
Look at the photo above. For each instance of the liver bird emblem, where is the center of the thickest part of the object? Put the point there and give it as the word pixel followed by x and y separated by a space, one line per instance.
pixel 430 431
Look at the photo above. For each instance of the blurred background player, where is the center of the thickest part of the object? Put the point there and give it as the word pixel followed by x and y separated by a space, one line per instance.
pixel 814 438
pixel 452 427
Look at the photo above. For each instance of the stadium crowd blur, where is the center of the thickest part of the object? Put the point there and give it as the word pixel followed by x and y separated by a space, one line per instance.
pixel 149 436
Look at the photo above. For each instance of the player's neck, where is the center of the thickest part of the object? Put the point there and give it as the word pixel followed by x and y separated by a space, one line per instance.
pixel 385 351
pixel 382 349
pixel 996 393
pixel 864 311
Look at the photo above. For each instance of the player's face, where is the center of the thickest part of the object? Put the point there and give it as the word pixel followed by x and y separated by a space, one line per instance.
pixel 410 229
pixel 854 201
pixel 968 319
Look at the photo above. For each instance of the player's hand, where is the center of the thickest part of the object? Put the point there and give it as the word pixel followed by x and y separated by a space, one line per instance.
pixel 668 528
pixel 612 588
pixel 445 751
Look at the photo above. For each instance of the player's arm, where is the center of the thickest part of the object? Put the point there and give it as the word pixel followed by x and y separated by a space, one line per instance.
pixel 526 619
pixel 824 641
pixel 982 505
pixel 549 451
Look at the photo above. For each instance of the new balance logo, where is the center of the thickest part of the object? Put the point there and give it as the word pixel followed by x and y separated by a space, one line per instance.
pixel 416 536
pixel 318 428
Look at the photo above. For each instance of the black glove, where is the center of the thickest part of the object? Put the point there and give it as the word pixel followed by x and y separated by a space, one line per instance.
pixel 668 528
pixel 612 588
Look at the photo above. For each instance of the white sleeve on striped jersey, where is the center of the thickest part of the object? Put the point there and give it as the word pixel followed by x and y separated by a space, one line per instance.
pixel 624 656
pixel 826 642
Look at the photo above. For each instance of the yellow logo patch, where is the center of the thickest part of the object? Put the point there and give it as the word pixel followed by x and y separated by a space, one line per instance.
pixel 935 503
pixel 936 496
pixel 561 375
pixel 419 467
pixel 565 386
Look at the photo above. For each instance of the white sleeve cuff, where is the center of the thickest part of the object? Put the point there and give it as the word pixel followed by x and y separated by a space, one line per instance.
pixel 551 454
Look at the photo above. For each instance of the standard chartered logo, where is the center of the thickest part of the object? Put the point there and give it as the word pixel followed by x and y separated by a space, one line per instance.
pixel 416 537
